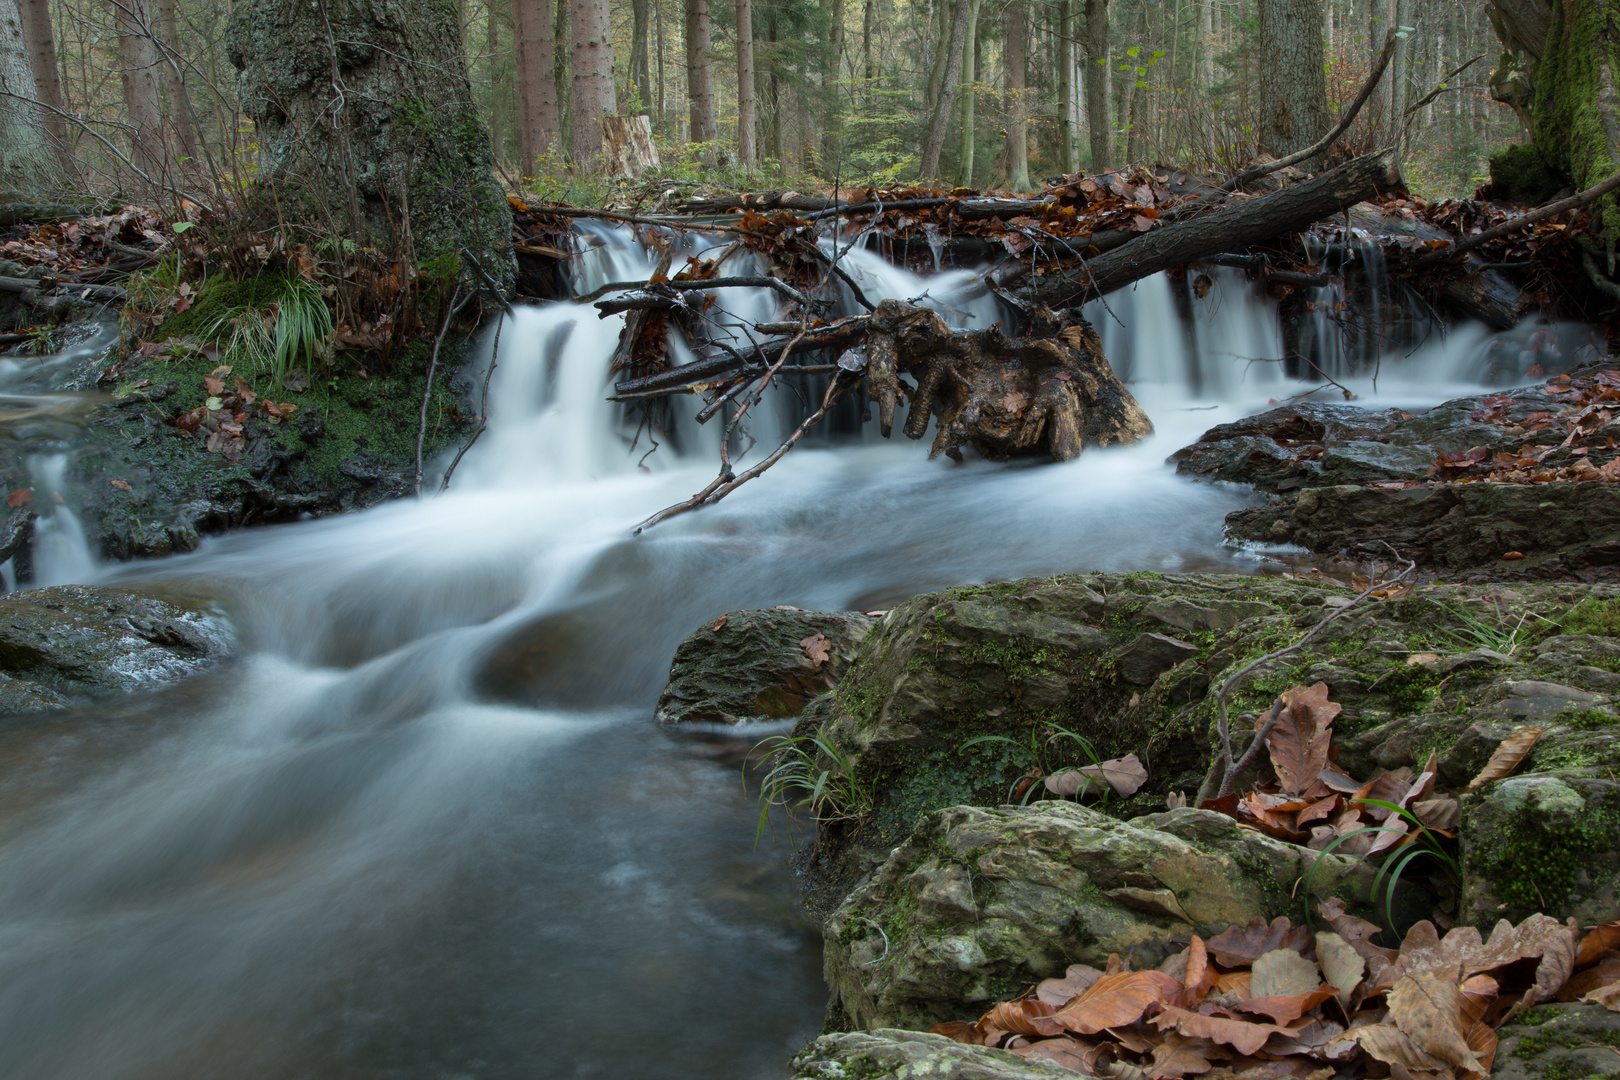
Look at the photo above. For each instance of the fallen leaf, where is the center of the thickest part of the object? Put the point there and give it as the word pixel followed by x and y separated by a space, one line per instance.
pixel 1283 973
pixel 1606 996
pixel 1284 1008
pixel 1427 1007
pixel 1299 740
pixel 1059 992
pixel 1180 1056
pixel 1175 800
pixel 1423 658
pixel 1506 757
pixel 1028 1016
pixel 1478 991
pixel 1241 1035
pixel 1238 946
pixel 960 1030
pixel 1391 1045
pixel 719 624
pixel 20 497
pixel 121 485
pixel 816 647
pixel 1440 813
pixel 1112 1001
pixel 1341 965
pixel 1083 1056
pixel 1598 940
pixel 1511 556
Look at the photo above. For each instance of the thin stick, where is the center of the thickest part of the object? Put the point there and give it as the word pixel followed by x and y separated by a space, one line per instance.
pixel 1512 225
pixel 483 408
pixel 757 282
pixel 433 368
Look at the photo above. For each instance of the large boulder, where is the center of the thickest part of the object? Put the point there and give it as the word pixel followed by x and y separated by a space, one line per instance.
pixel 74 641
pixel 912 1055
pixel 979 903
pixel 1559 1042
pixel 759 665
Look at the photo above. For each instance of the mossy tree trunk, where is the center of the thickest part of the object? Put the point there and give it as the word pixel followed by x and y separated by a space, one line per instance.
pixel 367 129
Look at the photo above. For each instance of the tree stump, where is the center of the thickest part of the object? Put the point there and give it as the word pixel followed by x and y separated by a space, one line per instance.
pixel 627 146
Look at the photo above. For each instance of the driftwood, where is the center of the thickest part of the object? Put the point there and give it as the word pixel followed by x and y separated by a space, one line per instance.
pixel 1240 224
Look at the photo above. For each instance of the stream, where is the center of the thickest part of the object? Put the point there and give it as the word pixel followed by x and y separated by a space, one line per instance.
pixel 424 827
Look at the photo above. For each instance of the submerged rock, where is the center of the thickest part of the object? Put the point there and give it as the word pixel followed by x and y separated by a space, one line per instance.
pixel 979 903
pixel 70 641
pixel 759 665
pixel 890 1054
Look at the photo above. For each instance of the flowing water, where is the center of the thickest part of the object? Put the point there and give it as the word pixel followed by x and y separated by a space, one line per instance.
pixel 423 828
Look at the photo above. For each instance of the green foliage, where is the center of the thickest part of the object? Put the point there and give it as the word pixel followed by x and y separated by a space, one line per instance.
pixel 1044 740
pixel 808 772
pixel 294 326
pixel 1420 842
pixel 1590 616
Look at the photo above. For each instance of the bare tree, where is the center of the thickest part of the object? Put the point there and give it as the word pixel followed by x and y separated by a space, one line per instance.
pixel 538 115
pixel 1065 73
pixel 181 120
pixel 39 38
pixel 747 156
pixel 945 103
pixel 592 66
pixel 1293 87
pixel 640 53
pixel 1098 111
pixel 138 69
pixel 699 73
pixel 1017 31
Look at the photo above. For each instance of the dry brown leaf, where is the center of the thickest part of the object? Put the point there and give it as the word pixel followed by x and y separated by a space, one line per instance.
pixel 1299 740
pixel 1284 1009
pixel 1478 991
pixel 960 1030
pixel 1236 946
pixel 1283 973
pixel 1507 756
pixel 1244 1037
pixel 1079 1055
pixel 1438 813
pixel 1125 775
pixel 1359 933
pixel 1028 1016
pixel 1601 974
pixel 1598 940
pixel 1481 1040
pixel 1234 985
pixel 817 648
pixel 1553 941
pixel 720 623
pixel 1059 992
pixel 1391 1045
pixel 1341 964
pixel 1606 996
pixel 1113 1000
pixel 1199 976
pixel 1427 1006
pixel 1181 1056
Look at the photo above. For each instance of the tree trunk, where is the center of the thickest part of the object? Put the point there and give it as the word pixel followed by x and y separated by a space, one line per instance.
pixel 747 156
pixel 28 163
pixel 594 95
pixel 1017 105
pixel 1575 110
pixel 942 48
pixel 538 116
pixel 182 121
pixel 1206 43
pixel 970 76
pixel 699 73
pixel 138 68
pixel 868 68
pixel 1098 111
pixel 1065 80
pixel 39 38
pixel 641 53
pixel 375 139
pixel 1400 75
pixel 945 104
pixel 1293 87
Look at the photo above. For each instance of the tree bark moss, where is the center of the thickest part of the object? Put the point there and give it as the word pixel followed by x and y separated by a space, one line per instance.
pixel 1575 111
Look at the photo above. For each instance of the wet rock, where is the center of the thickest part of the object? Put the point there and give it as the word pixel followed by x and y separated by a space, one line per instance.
pixel 1542 842
pixel 1282 446
pixel 1534 701
pixel 1150 655
pixel 759 665
pixel 75 640
pixel 1577 1039
pixel 980 902
pixel 891 1054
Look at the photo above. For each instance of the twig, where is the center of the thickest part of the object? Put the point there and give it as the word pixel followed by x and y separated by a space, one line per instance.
pixel 1223 729
pixel 832 264
pixel 483 408
pixel 735 282
pixel 1512 225
pixel 457 302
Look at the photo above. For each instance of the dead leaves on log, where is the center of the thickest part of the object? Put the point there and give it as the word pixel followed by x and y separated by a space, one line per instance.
pixel 1307 1007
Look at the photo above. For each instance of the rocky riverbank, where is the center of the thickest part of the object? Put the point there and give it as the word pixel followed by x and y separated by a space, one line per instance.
pixel 941 893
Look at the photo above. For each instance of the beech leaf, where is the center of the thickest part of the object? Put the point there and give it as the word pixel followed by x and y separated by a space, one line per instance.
pixel 1606 996
pixel 1285 1008
pixel 1299 740
pixel 1283 973
pixel 1180 1056
pixel 1242 1036
pixel 1427 1006
pixel 1059 992
pixel 1026 1017
pixel 1507 756
pixel 1239 945
pixel 1112 1001
pixel 1391 1045
pixel 1342 966
pixel 1598 940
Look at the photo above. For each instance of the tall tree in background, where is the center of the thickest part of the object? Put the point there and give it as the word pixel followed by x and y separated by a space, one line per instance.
pixel 1098 80
pixel 1066 97
pixel 1293 86
pixel 138 68
pixel 182 122
pixel 1017 103
pixel 28 164
pixel 970 78
pixel 594 96
pixel 39 38
pixel 747 156
pixel 832 120
pixel 699 74
pixel 640 53
pixel 945 102
pixel 538 114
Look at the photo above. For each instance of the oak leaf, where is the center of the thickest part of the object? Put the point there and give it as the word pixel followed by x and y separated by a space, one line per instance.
pixel 1506 757
pixel 817 648
pixel 1299 740
pixel 1598 940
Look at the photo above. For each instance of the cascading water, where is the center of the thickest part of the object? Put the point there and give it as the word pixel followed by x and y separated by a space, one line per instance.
pixel 422 827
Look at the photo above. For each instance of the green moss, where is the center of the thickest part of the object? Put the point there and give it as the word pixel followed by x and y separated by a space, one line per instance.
pixel 1589 720
pixel 1521 174
pixel 1570 80
pixel 1535 865
pixel 221 296
pixel 1598 617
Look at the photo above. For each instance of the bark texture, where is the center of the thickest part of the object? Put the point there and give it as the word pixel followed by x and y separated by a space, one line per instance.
pixel 699 73
pixel 367 128
pixel 1575 112
pixel 539 117
pixel 945 101
pixel 747 154
pixel 1098 110
pixel 592 67
pixel 39 37
pixel 1017 48
pixel 27 161
pixel 640 53
pixel 182 122
pixel 138 69
pixel 1293 88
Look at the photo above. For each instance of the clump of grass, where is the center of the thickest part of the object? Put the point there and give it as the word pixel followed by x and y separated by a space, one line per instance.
pixel 1041 753
pixel 1420 842
pixel 1598 617
pixel 809 773
pixel 296 326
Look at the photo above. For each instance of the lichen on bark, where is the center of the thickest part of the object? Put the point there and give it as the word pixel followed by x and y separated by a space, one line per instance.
pixel 367 128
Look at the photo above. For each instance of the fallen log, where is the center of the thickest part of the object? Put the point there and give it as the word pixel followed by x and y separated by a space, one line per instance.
pixel 1238 225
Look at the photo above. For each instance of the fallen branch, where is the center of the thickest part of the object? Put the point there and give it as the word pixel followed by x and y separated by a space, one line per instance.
pixel 1513 225
pixel 761 282
pixel 457 302
pixel 1223 730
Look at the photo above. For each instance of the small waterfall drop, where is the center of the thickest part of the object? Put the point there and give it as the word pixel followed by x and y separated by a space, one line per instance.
pixel 61 551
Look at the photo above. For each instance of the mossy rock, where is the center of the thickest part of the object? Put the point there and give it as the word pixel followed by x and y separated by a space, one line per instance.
pixel 892 1054
pixel 1547 842
pixel 979 903
pixel 759 665
pixel 1574 1041
pixel 1520 174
